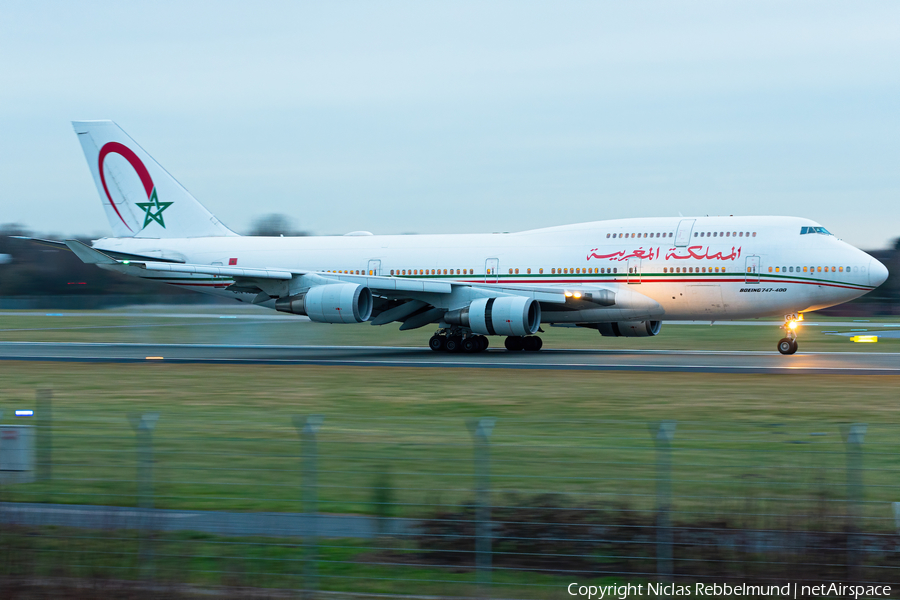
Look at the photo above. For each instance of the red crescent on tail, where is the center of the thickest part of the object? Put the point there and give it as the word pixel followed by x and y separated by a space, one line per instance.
pixel 136 164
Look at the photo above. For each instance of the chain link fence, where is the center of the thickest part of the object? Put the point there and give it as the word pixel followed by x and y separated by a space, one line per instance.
pixel 463 506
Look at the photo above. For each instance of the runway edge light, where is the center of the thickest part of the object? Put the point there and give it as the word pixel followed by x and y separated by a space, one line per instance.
pixel 864 339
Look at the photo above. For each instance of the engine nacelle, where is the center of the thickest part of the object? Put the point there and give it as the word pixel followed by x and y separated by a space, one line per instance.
pixel 331 303
pixel 507 315
pixel 630 328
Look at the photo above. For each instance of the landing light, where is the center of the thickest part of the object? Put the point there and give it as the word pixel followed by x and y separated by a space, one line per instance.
pixel 568 294
pixel 576 294
pixel 794 324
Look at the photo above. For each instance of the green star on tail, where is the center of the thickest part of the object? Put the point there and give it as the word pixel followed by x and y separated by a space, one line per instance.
pixel 148 207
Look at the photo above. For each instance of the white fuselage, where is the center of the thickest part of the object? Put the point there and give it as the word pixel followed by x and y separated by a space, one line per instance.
pixel 705 268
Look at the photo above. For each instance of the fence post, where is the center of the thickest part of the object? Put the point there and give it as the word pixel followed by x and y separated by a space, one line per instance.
pixel 307 428
pixel 44 405
pixel 143 426
pixel 663 434
pixel 480 430
pixel 854 441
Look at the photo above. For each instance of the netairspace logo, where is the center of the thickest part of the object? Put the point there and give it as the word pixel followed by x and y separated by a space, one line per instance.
pixel 720 590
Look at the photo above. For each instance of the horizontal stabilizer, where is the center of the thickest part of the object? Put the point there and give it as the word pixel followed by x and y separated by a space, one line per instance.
pixel 89 255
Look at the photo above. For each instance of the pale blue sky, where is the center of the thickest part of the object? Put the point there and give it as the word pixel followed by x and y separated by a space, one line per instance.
pixel 461 117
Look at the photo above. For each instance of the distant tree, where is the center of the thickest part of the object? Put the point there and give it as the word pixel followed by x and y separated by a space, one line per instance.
pixel 275 224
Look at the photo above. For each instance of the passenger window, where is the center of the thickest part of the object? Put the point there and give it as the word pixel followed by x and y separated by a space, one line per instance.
pixel 770 269
pixel 553 271
pixel 607 236
pixel 715 234
pixel 616 270
pixel 541 270
pixel 754 234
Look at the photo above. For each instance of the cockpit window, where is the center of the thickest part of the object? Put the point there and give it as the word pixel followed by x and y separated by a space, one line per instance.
pixel 822 230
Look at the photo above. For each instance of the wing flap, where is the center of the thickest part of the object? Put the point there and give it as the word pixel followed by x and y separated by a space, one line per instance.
pixel 217 270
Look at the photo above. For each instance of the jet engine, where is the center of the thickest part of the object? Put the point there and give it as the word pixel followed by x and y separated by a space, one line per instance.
pixel 330 303
pixel 630 328
pixel 506 315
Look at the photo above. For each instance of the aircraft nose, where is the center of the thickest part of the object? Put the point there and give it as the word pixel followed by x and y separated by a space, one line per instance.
pixel 878 273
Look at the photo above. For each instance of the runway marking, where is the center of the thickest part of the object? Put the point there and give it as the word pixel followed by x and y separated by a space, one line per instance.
pixel 428 351
pixel 748 369
pixel 692 361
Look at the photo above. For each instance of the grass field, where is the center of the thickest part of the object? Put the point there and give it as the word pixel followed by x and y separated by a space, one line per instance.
pixel 225 439
pixel 754 451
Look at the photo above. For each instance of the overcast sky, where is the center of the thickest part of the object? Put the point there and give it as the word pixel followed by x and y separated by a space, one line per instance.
pixel 462 117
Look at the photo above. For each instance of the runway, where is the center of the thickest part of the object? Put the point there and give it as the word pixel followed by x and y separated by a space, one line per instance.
pixel 699 361
pixel 33 514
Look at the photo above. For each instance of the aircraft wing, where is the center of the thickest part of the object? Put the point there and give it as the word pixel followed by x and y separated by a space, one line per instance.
pixel 415 302
pixel 110 253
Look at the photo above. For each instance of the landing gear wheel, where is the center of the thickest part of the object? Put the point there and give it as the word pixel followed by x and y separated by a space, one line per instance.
pixel 437 343
pixel 470 345
pixel 454 344
pixel 484 342
pixel 514 343
pixel 787 346
pixel 533 343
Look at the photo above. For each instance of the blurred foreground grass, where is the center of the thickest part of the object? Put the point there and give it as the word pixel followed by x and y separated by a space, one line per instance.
pixel 225 440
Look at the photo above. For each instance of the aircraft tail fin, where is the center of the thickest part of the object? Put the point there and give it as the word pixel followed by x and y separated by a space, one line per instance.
pixel 141 199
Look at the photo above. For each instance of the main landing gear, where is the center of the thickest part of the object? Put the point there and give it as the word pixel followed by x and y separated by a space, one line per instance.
pixel 458 342
pixel 529 343
pixel 461 341
pixel 788 344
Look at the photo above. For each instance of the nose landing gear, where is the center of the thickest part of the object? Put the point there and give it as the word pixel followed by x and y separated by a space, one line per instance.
pixel 788 344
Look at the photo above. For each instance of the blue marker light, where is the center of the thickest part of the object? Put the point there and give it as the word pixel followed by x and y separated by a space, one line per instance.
pixel 24 413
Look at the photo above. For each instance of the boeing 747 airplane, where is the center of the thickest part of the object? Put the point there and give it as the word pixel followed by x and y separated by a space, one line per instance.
pixel 622 277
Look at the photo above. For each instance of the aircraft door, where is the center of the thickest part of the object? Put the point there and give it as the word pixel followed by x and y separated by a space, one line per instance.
pixel 374 267
pixel 492 270
pixel 683 233
pixel 634 270
pixel 752 273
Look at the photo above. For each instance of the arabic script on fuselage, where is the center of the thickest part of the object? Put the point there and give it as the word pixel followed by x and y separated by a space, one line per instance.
pixel 691 252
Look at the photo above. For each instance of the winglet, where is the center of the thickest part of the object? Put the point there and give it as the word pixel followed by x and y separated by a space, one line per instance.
pixel 89 255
